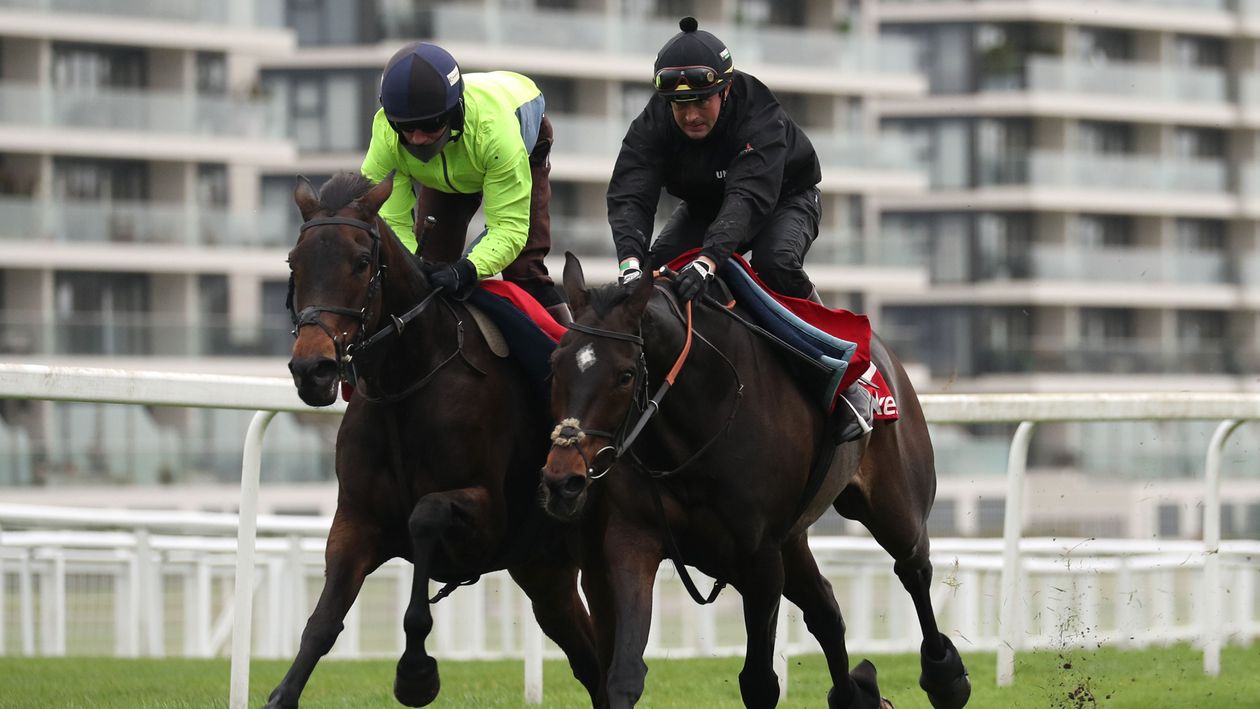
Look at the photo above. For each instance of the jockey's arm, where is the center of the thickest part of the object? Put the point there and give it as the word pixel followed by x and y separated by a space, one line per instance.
pixel 753 181
pixel 399 210
pixel 506 195
pixel 635 189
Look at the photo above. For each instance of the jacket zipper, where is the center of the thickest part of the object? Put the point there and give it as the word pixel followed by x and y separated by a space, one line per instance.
pixel 446 175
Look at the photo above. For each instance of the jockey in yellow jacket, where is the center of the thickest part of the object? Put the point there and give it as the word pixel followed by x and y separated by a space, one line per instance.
pixel 465 139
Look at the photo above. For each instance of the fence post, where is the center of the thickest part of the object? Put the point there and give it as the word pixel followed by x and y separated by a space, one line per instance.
pixel 1212 548
pixel 246 533
pixel 1010 607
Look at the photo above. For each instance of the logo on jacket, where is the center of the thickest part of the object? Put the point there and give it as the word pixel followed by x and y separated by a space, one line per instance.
pixel 720 174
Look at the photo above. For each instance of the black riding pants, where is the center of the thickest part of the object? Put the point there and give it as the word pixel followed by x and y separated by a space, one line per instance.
pixel 778 248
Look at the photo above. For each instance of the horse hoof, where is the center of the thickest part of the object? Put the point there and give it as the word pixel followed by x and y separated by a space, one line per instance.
pixel 865 690
pixel 945 680
pixel 276 701
pixel 417 687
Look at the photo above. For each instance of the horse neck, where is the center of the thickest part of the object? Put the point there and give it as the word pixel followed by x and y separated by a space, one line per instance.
pixel 704 373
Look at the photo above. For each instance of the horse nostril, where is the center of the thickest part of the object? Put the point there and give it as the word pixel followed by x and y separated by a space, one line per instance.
pixel 318 370
pixel 573 486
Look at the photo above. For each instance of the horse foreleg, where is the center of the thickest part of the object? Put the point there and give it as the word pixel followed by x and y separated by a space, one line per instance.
pixel 352 552
pixel 633 556
pixel 416 680
pixel 761 588
pixel 553 592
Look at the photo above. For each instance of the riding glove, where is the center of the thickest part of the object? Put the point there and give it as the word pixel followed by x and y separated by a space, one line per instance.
pixel 456 279
pixel 693 280
pixel 629 276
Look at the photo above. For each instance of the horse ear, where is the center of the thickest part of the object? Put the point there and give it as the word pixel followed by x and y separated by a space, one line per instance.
pixel 642 291
pixel 575 283
pixel 304 196
pixel 375 197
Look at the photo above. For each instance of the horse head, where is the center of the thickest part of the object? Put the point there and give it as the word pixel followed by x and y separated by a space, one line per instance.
pixel 598 375
pixel 335 282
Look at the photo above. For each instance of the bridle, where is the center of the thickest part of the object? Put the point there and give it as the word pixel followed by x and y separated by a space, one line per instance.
pixel 569 432
pixel 310 314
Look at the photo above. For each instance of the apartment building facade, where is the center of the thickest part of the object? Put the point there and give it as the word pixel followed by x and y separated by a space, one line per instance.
pixel 1018 201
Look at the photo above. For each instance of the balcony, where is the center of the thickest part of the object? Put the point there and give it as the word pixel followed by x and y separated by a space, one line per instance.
pixel 26 219
pixel 1129 265
pixel 241 13
pixel 591 33
pixel 1115 80
pixel 1052 355
pixel 139 111
pixel 1116 171
pixel 591 138
pixel 139 334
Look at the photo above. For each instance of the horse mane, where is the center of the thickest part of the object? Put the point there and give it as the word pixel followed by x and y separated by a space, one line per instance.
pixel 605 297
pixel 342 189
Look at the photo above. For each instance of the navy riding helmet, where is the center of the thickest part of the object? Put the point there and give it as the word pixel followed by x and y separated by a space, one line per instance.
pixel 422 89
pixel 692 65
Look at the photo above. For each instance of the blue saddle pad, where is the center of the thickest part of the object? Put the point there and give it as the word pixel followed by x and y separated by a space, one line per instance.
pixel 529 345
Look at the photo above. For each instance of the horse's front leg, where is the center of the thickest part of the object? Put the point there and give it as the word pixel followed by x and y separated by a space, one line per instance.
pixel 552 588
pixel 353 551
pixel 631 557
pixel 456 515
pixel 761 587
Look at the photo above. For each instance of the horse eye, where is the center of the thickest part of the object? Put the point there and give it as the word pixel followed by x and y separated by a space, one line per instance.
pixel 626 378
pixel 362 264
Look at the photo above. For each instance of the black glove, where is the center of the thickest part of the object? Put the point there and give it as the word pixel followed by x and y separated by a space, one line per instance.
pixel 457 279
pixel 693 280
pixel 629 276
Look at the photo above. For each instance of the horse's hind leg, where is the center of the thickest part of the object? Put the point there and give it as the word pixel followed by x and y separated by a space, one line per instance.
pixel 895 512
pixel 552 589
pixel 416 680
pixel 352 553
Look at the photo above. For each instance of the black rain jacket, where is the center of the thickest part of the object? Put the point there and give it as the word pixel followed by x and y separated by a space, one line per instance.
pixel 732 178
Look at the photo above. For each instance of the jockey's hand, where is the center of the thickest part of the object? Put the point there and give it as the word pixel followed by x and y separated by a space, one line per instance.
pixel 629 276
pixel 693 280
pixel 457 279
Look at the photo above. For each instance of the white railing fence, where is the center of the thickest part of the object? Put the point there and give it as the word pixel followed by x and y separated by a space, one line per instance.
pixel 1063 594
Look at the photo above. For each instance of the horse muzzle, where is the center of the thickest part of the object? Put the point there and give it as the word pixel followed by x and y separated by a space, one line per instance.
pixel 316 379
pixel 564 483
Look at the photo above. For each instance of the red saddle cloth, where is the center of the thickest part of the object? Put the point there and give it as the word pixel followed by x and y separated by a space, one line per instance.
pixel 524 302
pixel 837 322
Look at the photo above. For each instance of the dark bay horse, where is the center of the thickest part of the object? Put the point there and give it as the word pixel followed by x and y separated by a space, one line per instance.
pixel 438 453
pixel 721 475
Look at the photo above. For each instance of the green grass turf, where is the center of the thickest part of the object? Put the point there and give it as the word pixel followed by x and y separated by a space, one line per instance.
pixel 1169 677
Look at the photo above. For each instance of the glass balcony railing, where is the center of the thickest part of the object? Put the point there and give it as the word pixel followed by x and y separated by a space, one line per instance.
pixel 1130 265
pixel 591 33
pixel 1120 171
pixel 137 334
pixel 28 219
pixel 888 250
pixel 1116 80
pixel 601 138
pixel 139 110
pixel 1121 356
pixel 1136 5
pixel 241 13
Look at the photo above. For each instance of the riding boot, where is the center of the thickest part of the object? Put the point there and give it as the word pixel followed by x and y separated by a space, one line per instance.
pixel 561 313
pixel 854 415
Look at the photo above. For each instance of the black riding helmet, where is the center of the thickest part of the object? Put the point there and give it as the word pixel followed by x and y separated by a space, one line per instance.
pixel 422 89
pixel 692 65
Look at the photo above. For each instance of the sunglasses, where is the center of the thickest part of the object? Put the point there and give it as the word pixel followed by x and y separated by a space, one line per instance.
pixel 687 78
pixel 424 125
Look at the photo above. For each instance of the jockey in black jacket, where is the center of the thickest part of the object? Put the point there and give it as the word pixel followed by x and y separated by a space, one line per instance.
pixel 746 173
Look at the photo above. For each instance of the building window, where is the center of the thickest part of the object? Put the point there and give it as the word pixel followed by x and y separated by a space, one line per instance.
pixel 1200 235
pixel 1104 138
pixel 83 66
pixel 943 520
pixel 211 73
pixel 1169 520
pixel 102 314
pixel 1199 51
pixel 1192 143
pixel 1100 46
pixel 990 514
pixel 1098 231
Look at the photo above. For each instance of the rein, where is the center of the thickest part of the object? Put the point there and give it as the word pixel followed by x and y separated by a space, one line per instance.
pixel 569 434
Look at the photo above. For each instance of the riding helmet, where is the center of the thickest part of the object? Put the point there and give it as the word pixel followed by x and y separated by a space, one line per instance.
pixel 421 81
pixel 692 48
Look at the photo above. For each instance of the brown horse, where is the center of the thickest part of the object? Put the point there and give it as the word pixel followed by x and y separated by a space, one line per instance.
pixel 722 477
pixel 438 453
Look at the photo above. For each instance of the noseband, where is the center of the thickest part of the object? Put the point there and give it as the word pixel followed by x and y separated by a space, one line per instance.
pixel 310 314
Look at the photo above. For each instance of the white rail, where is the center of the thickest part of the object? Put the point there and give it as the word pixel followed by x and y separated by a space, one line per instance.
pixel 268 396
